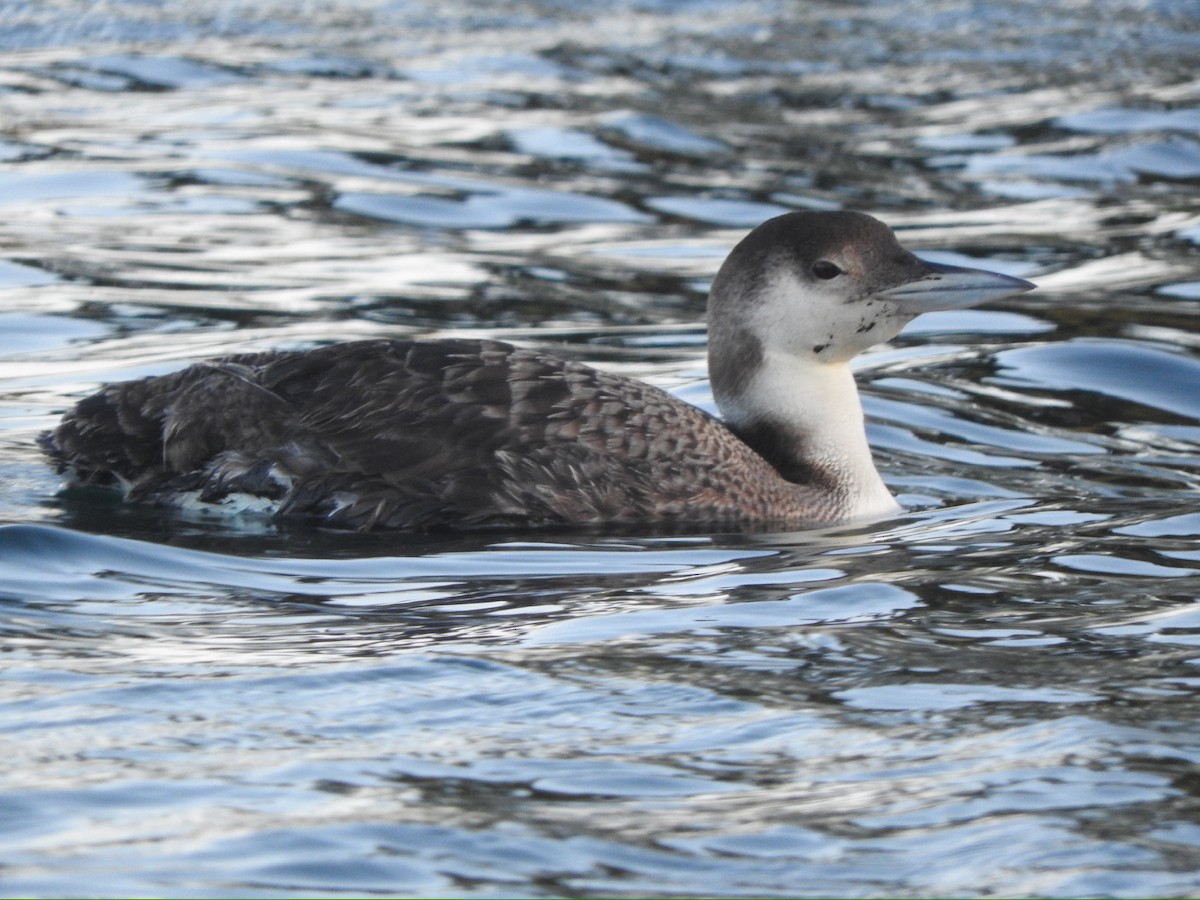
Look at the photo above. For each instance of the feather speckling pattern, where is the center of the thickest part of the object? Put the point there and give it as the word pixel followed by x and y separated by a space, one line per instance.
pixel 454 434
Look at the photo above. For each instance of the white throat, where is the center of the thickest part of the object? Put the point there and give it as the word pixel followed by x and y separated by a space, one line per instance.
pixel 817 405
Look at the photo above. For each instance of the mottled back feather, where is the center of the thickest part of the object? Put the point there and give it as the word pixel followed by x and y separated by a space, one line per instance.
pixel 422 435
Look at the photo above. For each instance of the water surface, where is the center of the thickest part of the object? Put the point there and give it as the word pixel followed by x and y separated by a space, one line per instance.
pixel 994 693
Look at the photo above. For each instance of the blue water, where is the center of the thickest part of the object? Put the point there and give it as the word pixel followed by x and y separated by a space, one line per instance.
pixel 994 693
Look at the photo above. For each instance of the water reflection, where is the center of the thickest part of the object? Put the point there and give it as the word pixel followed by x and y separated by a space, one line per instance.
pixel 982 695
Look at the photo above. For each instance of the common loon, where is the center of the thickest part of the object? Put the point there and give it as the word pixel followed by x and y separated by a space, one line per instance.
pixel 465 434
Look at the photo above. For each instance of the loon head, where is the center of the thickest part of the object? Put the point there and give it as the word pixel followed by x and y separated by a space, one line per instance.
pixel 811 290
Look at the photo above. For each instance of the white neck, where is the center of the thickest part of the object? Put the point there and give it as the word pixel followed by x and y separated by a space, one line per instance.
pixel 817 405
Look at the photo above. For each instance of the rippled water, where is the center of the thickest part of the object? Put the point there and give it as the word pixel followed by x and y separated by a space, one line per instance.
pixel 995 693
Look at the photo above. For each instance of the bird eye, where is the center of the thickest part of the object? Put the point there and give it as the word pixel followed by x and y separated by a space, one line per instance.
pixel 825 270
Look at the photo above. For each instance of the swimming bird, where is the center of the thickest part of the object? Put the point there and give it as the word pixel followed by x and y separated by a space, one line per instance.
pixel 465 434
